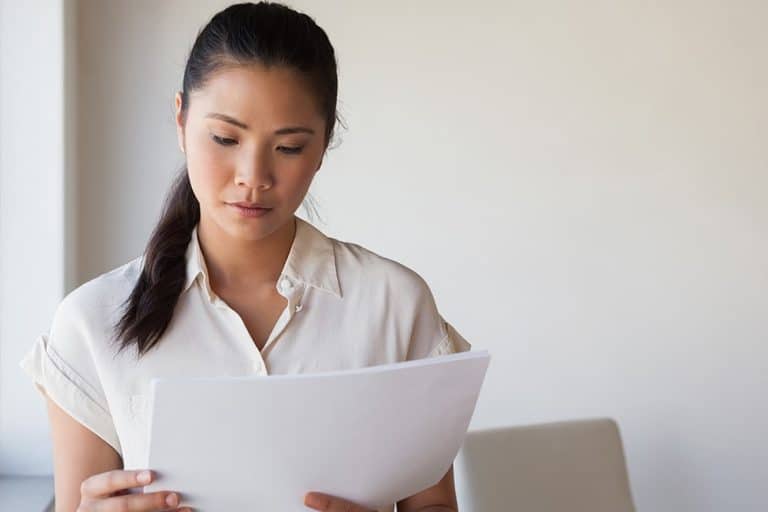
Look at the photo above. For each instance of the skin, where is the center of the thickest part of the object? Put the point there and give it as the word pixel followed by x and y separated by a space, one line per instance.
pixel 255 163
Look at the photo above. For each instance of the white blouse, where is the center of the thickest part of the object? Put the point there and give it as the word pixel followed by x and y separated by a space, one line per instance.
pixel 347 308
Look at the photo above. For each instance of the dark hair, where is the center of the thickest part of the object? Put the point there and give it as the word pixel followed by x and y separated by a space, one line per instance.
pixel 267 33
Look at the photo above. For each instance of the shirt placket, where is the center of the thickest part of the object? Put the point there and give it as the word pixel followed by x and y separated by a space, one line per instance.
pixel 294 293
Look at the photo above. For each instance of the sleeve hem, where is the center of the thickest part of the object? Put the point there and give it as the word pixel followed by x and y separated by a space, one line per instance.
pixel 53 381
pixel 451 343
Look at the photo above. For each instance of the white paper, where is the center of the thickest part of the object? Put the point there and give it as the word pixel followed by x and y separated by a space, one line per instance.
pixel 372 435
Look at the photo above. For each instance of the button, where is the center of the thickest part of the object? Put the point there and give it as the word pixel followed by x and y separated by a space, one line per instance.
pixel 286 284
pixel 298 307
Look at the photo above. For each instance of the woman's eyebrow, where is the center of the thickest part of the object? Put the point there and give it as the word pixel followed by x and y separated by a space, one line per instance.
pixel 294 129
pixel 282 131
pixel 228 119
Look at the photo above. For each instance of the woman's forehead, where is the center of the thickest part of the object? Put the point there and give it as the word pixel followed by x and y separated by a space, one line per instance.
pixel 254 92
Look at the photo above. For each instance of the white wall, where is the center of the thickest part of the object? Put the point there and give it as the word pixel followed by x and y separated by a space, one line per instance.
pixel 32 220
pixel 581 183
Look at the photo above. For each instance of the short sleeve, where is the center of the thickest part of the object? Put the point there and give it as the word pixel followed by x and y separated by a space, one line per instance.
pixel 431 334
pixel 63 367
pixel 451 342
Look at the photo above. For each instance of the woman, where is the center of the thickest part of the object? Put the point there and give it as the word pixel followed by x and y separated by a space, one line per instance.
pixel 231 282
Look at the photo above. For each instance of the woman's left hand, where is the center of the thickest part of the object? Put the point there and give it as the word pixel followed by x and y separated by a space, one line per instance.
pixel 327 503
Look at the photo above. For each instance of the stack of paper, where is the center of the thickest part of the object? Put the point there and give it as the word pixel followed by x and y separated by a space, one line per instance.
pixel 373 435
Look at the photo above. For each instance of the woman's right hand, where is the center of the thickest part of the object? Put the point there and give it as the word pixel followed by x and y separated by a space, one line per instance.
pixel 110 492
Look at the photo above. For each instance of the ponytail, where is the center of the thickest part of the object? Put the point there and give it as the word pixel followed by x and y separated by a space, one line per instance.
pixel 149 308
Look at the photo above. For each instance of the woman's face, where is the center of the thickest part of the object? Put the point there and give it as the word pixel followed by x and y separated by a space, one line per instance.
pixel 253 135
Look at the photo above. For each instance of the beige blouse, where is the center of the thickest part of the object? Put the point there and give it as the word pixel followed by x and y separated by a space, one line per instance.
pixel 347 308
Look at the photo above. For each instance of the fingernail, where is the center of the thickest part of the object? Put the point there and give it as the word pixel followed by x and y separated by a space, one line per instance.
pixel 172 500
pixel 144 477
pixel 315 501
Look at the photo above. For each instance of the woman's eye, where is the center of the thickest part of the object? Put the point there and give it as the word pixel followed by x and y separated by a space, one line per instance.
pixel 290 150
pixel 223 140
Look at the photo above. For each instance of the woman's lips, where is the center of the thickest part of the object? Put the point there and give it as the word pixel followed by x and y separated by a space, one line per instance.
pixel 250 212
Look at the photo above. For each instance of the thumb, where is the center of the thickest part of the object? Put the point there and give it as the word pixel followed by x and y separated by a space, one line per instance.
pixel 328 503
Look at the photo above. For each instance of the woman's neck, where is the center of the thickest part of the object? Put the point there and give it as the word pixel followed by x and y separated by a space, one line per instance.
pixel 234 263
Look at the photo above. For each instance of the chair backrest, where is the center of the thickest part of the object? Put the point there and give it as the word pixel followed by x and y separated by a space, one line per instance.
pixel 574 466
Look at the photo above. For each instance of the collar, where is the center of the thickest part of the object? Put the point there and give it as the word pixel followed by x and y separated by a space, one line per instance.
pixel 311 261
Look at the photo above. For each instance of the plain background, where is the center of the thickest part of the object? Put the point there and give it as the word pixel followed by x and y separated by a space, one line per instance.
pixel 581 183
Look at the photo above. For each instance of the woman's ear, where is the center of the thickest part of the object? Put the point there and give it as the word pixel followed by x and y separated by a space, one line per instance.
pixel 179 121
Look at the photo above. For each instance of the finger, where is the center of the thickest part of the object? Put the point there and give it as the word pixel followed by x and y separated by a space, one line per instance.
pixel 150 502
pixel 328 503
pixel 105 484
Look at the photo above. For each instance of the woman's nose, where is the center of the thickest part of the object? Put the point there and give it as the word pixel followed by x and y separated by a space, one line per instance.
pixel 255 172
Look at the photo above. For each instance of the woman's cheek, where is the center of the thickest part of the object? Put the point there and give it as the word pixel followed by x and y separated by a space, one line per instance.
pixel 206 182
pixel 213 169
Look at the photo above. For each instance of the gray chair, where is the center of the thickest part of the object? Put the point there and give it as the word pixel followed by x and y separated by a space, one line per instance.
pixel 573 466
